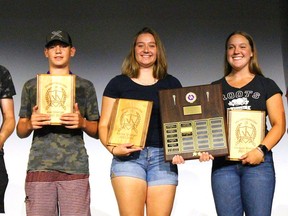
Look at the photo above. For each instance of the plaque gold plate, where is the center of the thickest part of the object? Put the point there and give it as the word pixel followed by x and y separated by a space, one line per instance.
pixel 129 122
pixel 193 121
pixel 191 110
pixel 246 130
pixel 55 95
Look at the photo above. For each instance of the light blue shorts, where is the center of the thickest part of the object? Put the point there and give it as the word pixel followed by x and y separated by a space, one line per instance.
pixel 148 164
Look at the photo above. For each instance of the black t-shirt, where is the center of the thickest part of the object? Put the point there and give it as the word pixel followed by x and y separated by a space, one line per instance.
pixel 122 86
pixel 252 96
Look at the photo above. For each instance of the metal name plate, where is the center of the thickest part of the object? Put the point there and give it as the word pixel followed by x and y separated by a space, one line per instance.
pixel 194 136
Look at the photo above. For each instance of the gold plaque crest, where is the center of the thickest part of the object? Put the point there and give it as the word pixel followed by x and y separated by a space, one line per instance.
pixel 55 95
pixel 246 131
pixel 129 122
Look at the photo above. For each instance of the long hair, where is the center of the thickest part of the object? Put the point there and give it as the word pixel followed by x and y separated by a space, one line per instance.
pixel 130 66
pixel 253 63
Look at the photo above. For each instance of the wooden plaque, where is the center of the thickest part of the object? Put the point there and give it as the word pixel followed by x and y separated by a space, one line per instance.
pixel 129 122
pixel 193 121
pixel 246 131
pixel 55 95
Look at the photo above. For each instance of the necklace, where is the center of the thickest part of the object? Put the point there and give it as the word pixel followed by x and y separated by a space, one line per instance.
pixel 145 83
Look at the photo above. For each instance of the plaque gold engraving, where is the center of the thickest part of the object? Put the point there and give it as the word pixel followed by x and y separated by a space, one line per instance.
pixel 246 130
pixel 55 95
pixel 129 122
pixel 193 121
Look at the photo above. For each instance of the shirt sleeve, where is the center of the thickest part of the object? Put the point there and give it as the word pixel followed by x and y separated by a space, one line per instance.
pixel 25 108
pixel 272 88
pixel 174 82
pixel 92 111
pixel 7 89
pixel 112 88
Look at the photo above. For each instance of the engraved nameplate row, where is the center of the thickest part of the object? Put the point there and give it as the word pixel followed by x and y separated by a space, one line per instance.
pixel 194 136
pixel 193 121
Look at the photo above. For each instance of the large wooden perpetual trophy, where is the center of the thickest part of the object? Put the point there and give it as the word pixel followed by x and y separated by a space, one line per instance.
pixel 193 121
pixel 55 95
pixel 129 122
pixel 246 131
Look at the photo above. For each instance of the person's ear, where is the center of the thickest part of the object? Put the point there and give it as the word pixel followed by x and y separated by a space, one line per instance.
pixel 72 51
pixel 46 52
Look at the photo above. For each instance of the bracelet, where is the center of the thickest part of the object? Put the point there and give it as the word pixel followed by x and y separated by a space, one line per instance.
pixel 260 150
pixel 112 150
pixel 84 123
pixel 263 149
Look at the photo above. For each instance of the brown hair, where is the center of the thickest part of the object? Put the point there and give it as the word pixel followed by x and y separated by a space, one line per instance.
pixel 253 64
pixel 130 66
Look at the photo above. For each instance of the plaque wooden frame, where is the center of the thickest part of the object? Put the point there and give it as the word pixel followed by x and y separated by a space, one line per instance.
pixel 193 121
pixel 246 130
pixel 55 95
pixel 129 122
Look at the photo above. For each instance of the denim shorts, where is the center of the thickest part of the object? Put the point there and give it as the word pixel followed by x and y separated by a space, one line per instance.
pixel 148 164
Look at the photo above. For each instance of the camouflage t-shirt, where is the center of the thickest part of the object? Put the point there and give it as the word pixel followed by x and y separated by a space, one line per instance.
pixel 7 89
pixel 56 147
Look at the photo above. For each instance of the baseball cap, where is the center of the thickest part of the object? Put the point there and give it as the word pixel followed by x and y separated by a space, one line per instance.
pixel 58 35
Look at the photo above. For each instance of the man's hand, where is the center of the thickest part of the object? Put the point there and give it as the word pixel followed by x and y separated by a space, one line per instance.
pixel 73 120
pixel 39 120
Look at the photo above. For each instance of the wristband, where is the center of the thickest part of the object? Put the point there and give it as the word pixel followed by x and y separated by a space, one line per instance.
pixel 112 150
pixel 259 149
pixel 263 148
pixel 84 123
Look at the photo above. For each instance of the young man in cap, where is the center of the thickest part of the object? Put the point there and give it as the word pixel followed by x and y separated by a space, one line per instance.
pixel 58 177
pixel 7 91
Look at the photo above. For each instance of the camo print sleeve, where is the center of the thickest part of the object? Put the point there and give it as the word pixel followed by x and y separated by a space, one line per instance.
pixel 7 89
pixel 28 98
pixel 87 99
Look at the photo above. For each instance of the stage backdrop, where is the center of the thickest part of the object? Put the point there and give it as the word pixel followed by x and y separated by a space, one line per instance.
pixel 193 33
